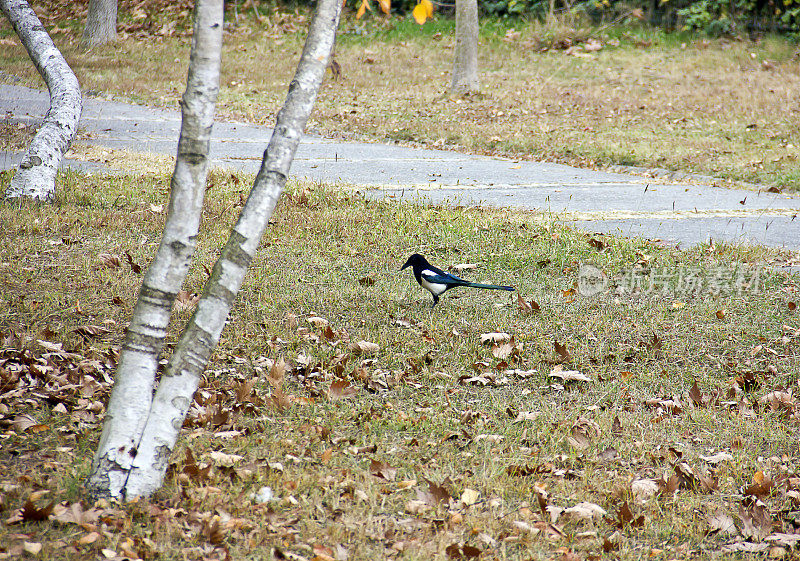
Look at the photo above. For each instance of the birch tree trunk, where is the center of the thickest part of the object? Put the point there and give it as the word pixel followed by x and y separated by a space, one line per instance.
pixel 465 62
pixel 36 175
pixel 101 23
pixel 146 457
pixel 131 398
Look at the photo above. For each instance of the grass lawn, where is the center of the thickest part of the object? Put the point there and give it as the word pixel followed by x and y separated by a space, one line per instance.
pixel 628 424
pixel 653 415
pixel 724 107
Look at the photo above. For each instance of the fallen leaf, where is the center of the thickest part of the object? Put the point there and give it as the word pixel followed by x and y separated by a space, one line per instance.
pixel 226 460
pixel 584 511
pixel 568 375
pixel 459 551
pixel 495 337
pixel 616 427
pixel 34 548
pixel 382 470
pixel 134 267
pixel 469 497
pixel 340 389
pixel 109 260
pixel 527 307
pixel 91 331
pixel 717 458
pixel 562 351
pixel 644 489
pixel 722 523
pixel 364 347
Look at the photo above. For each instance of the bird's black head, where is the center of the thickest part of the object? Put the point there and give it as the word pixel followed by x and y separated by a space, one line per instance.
pixel 415 260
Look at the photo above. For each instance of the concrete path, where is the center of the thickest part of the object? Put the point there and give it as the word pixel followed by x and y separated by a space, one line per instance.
pixel 687 213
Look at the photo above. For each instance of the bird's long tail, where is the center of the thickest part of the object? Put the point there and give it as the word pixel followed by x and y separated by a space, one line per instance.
pixel 489 286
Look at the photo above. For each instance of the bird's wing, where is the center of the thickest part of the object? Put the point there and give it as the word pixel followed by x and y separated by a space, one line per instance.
pixel 440 277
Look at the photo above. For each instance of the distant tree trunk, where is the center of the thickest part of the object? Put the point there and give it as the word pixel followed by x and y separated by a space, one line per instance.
pixel 36 176
pixel 465 63
pixel 139 434
pixel 101 23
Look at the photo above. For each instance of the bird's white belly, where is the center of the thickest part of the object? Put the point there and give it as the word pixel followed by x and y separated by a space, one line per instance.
pixel 433 287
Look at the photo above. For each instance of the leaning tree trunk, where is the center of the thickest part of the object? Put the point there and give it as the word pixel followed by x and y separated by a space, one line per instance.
pixel 131 463
pixel 131 398
pixel 465 62
pixel 36 176
pixel 101 23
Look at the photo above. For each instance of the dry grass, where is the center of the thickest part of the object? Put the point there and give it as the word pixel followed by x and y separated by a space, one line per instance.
pixel 722 107
pixel 14 137
pixel 432 403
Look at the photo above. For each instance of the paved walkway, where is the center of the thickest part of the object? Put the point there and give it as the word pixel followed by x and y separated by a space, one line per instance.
pixel 594 200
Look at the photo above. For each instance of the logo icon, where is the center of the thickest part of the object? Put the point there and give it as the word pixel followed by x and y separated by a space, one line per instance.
pixel 591 280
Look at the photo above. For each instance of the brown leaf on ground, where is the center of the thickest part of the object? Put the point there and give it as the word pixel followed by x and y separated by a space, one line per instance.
pixel 780 400
pixel 23 422
pixel 527 307
pixel 275 378
pixel 193 470
pixel 644 489
pixel 439 492
pixel 506 349
pixel 578 438
pixel 213 531
pixel 608 455
pixel 134 267
pixel 562 351
pixel 696 395
pixel 761 486
pixel 30 513
pixel 363 347
pixel 186 300
pixel 340 389
pixel 584 511
pixel 568 375
pixel 756 521
pixel 520 470
pixel 722 523
pixel 689 479
pixel 75 513
pixel 598 244
pixel 625 517
pixel 382 470
pixel 616 427
pixel 91 331
pixel 459 551
pixel 109 261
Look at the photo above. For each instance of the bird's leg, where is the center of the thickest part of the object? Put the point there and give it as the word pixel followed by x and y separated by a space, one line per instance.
pixel 435 300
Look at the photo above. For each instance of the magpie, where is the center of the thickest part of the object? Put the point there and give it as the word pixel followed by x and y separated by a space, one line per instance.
pixel 436 281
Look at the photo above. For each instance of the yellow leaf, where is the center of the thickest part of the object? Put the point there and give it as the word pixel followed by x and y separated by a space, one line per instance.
pixel 385 5
pixel 363 8
pixel 422 11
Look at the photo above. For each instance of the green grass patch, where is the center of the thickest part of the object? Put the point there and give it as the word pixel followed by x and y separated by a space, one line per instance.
pixel 506 430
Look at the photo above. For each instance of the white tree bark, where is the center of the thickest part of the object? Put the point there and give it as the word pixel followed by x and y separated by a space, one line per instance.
pixel 465 62
pixel 101 23
pixel 145 458
pixel 36 175
pixel 131 398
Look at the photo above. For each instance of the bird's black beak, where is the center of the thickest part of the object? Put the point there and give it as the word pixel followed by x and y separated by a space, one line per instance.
pixel 408 264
